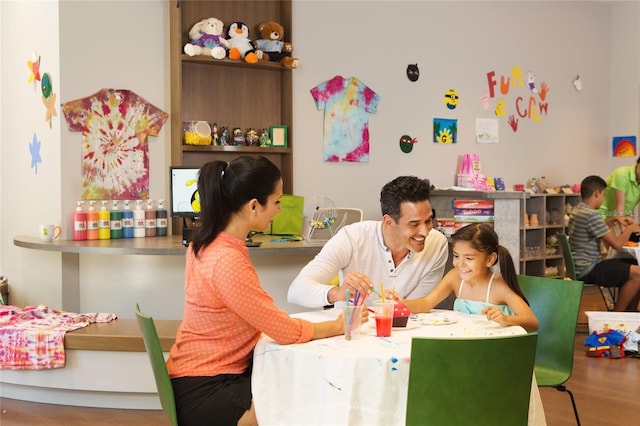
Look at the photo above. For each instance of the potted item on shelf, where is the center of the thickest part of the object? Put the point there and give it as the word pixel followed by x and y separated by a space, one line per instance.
pixel 196 132
pixel 265 140
pixel 252 137
pixel 238 137
pixel 225 138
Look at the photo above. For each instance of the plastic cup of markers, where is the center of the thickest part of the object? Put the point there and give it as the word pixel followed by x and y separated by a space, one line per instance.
pixel 351 321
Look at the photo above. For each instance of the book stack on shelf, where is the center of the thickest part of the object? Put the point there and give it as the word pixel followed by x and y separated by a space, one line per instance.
pixel 466 212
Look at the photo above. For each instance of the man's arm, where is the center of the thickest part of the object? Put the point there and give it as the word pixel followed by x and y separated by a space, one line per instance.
pixel 620 199
pixel 310 288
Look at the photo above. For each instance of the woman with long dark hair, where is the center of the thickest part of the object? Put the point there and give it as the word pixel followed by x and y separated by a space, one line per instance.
pixel 226 309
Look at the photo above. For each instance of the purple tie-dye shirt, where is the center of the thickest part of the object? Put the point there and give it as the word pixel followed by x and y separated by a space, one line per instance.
pixel 346 104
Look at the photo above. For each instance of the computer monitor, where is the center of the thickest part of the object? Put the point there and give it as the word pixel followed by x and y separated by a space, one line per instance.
pixel 185 201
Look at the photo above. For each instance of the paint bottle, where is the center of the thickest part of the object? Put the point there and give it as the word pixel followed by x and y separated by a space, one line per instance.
pixel 161 220
pixel 127 221
pixel 116 221
pixel 79 223
pixel 138 221
pixel 150 220
pixel 104 222
pixel 92 222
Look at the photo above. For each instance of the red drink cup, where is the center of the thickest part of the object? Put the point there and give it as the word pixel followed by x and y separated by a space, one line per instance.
pixel 384 316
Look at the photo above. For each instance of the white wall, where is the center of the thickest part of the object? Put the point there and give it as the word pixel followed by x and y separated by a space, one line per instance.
pixel 29 199
pixel 454 43
pixel 624 63
pixel 86 46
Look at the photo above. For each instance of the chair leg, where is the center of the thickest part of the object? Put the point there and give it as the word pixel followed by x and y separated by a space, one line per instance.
pixel 613 292
pixel 563 388
pixel 609 304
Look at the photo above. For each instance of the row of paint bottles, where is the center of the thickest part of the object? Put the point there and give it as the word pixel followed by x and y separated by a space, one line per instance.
pixel 79 223
pixel 115 224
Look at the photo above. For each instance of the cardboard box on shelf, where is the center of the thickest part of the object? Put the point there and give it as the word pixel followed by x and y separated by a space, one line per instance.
pixel 473 204
pixel 473 219
pixel 445 225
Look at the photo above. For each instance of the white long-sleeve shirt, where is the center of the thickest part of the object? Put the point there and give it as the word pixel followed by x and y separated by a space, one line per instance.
pixel 360 247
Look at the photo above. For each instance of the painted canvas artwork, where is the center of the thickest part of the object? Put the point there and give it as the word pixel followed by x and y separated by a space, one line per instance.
pixel 624 146
pixel 445 130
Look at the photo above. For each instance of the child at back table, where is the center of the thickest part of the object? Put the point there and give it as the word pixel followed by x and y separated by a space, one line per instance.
pixel 478 289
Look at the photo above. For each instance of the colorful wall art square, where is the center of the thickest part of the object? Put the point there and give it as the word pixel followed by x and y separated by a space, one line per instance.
pixel 624 146
pixel 445 130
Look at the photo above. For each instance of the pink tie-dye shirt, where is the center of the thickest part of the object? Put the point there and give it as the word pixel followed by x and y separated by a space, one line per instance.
pixel 32 338
pixel 347 104
pixel 115 125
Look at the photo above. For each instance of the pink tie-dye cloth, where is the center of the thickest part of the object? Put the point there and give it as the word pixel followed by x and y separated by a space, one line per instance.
pixel 32 338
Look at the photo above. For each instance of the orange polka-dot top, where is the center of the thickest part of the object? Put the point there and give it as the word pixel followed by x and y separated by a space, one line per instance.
pixel 226 310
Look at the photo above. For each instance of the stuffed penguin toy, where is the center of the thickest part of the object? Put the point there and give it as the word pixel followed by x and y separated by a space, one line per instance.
pixel 241 46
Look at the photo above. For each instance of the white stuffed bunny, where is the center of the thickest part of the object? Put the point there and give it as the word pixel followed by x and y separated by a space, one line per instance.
pixel 207 38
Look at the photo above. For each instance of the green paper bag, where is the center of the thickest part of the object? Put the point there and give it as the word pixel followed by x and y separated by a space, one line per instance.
pixel 289 220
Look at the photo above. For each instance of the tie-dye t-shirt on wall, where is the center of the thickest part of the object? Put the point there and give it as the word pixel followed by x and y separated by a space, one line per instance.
pixel 115 126
pixel 347 104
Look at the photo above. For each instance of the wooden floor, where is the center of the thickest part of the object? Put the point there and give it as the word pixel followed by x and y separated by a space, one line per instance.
pixel 606 393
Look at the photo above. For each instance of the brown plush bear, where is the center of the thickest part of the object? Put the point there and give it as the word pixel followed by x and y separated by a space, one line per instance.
pixel 270 46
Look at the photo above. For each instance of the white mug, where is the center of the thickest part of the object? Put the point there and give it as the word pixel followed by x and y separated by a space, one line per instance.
pixel 49 233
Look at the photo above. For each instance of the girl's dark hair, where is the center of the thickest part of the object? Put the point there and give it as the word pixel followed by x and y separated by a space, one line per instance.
pixel 225 187
pixel 483 238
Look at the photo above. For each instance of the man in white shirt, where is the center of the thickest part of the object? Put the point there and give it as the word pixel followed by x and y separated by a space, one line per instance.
pixel 402 251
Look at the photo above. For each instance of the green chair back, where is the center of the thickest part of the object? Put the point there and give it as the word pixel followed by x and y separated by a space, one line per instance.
pixel 569 264
pixel 570 272
pixel 160 373
pixel 556 304
pixel 484 381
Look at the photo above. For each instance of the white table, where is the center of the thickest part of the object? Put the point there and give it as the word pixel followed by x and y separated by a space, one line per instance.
pixel 625 253
pixel 359 382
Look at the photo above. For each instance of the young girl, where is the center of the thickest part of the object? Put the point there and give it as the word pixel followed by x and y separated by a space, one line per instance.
pixel 478 289
pixel 226 309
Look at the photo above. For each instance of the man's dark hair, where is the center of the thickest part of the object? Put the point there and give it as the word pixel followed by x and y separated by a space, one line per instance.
pixel 400 190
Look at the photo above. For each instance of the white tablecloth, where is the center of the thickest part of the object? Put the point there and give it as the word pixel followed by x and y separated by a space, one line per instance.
pixel 626 253
pixel 359 382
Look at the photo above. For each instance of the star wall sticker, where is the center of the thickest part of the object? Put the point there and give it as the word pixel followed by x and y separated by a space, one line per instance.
pixel 34 149
pixel 48 98
pixel 34 67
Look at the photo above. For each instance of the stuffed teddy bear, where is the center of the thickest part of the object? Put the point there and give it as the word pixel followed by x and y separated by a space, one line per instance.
pixel 241 47
pixel 207 38
pixel 271 47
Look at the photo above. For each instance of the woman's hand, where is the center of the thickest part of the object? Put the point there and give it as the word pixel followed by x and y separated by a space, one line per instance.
pixel 365 313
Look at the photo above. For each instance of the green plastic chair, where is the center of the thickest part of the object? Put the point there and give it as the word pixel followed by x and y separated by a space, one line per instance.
pixel 556 304
pixel 570 271
pixel 485 381
pixel 160 373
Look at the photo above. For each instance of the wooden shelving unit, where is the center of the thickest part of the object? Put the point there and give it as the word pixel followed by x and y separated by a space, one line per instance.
pixel 230 93
pixel 538 256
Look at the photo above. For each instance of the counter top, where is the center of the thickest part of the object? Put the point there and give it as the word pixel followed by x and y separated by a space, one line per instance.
pixel 163 246
pixel 472 194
